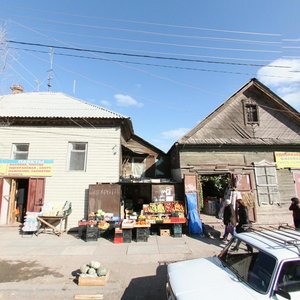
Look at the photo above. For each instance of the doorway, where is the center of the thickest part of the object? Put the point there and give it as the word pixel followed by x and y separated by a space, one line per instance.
pixel 13 200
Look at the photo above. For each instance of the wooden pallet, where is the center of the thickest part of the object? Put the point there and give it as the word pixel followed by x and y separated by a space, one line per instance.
pixel 93 281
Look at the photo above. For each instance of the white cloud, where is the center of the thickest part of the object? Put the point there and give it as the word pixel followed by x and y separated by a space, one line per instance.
pixel 175 133
pixel 126 100
pixel 284 81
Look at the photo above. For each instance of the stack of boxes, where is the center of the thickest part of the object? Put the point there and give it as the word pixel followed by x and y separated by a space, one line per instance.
pixel 118 238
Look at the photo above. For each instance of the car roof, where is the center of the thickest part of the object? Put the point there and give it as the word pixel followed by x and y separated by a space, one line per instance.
pixel 282 243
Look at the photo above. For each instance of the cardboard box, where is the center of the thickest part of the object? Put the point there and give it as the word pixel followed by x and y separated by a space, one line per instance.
pixel 93 281
pixel 164 232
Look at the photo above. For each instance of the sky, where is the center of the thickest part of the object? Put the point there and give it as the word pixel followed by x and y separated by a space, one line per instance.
pixel 165 64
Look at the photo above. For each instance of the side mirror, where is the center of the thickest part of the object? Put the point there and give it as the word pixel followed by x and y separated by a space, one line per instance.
pixel 283 293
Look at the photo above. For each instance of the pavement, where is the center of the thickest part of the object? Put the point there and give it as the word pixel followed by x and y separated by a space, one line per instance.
pixel 46 266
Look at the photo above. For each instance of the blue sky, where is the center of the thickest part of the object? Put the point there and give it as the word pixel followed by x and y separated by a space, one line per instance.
pixel 166 64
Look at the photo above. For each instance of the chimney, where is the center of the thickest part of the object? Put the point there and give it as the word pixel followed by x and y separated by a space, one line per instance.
pixel 17 89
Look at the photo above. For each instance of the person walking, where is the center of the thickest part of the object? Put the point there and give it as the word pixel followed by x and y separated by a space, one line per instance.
pixel 229 220
pixel 242 216
pixel 295 207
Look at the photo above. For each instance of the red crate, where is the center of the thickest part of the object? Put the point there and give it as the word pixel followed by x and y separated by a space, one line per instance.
pixel 178 220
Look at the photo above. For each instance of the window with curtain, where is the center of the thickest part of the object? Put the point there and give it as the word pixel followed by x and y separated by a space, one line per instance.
pixel 20 151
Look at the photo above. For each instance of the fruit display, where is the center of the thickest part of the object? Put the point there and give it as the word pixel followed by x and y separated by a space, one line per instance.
pixel 169 207
pixel 178 207
pixel 93 269
pixel 103 225
pixel 156 208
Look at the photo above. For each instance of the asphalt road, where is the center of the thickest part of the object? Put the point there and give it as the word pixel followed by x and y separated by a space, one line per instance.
pixel 46 267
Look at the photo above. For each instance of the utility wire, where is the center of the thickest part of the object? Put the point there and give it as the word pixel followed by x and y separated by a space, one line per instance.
pixel 165 25
pixel 148 64
pixel 142 55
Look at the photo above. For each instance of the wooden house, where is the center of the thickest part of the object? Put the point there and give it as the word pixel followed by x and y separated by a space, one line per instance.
pixel 52 148
pixel 253 139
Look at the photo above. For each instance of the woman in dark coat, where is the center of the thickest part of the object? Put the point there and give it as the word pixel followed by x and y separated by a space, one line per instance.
pixel 243 218
pixel 295 207
pixel 229 220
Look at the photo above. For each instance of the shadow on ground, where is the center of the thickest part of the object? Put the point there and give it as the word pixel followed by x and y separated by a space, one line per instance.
pixel 15 271
pixel 148 287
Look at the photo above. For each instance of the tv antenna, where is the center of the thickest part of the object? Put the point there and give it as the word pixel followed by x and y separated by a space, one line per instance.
pixel 50 71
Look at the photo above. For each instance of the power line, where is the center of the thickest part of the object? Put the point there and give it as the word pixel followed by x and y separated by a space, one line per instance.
pixel 143 55
pixel 164 24
pixel 148 64
pixel 196 37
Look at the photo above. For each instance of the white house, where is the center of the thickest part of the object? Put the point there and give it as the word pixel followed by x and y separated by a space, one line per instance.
pixel 52 147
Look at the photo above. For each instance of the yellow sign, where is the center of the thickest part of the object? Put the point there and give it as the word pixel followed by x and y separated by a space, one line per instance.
pixel 26 168
pixel 288 160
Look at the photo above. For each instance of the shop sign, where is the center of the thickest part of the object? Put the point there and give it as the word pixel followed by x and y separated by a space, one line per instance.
pixel 287 160
pixel 26 168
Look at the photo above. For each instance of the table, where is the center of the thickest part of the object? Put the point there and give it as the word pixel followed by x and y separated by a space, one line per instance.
pixel 50 222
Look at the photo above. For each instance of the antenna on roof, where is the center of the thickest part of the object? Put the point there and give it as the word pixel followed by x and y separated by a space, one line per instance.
pixel 37 85
pixel 74 86
pixel 50 72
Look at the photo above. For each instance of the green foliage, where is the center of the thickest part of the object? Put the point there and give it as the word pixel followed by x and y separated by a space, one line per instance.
pixel 215 184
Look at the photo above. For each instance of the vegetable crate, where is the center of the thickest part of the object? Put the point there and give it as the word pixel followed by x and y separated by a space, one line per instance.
pixel 93 281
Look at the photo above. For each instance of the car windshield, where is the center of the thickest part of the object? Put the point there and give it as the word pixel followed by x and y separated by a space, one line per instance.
pixel 254 267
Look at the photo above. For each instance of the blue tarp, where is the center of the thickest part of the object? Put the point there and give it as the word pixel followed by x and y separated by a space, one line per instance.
pixel 195 224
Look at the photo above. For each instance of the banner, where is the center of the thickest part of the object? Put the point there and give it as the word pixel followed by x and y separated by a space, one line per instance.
pixel 287 160
pixel 26 168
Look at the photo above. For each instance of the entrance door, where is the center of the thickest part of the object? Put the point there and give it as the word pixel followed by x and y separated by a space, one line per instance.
pixel 297 183
pixel 36 191
pixel 5 200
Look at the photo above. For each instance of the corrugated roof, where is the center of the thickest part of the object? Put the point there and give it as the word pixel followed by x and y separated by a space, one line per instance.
pixel 51 105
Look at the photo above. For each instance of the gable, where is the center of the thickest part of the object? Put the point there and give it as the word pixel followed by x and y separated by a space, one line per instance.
pixel 278 123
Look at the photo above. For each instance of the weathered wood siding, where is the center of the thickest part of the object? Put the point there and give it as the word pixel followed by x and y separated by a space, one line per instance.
pixel 243 158
pixel 103 160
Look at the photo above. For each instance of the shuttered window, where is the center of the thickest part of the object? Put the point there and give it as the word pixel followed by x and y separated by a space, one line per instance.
pixel 267 186
pixel 20 151
pixel 77 156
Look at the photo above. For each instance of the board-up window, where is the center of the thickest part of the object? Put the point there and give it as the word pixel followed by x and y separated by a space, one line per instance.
pixel 105 196
pixel 267 185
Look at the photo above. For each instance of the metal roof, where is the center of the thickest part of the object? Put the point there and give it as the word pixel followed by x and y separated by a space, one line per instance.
pixel 51 105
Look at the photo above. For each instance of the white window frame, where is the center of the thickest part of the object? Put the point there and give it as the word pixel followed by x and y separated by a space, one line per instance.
pixel 266 183
pixel 71 151
pixel 16 152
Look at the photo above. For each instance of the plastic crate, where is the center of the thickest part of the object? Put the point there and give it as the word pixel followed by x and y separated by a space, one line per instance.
pixel 91 233
pixel 177 235
pixel 177 229
pixel 127 235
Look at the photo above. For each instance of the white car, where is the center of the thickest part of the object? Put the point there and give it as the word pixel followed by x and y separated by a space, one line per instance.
pixel 261 263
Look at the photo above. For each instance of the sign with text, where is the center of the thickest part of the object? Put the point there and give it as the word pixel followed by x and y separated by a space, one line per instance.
pixel 287 160
pixel 26 168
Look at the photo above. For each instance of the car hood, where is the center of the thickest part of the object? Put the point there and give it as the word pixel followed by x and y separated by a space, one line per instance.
pixel 206 278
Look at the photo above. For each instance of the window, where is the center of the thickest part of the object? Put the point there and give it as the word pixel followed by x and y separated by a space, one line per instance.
pixel 251 113
pixel 138 168
pixel 266 181
pixel 20 151
pixel 77 156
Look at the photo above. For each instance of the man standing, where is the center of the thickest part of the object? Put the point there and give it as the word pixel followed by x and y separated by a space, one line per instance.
pixel 295 207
